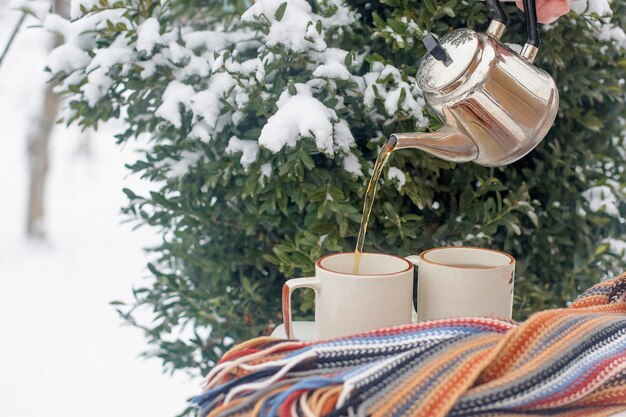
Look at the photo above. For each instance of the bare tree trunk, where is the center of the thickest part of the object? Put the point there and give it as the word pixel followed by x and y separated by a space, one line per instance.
pixel 37 141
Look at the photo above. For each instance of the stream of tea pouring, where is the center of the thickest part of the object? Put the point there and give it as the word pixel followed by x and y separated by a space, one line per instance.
pixel 368 201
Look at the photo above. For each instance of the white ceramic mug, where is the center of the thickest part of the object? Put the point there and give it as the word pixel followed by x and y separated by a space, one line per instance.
pixel 464 281
pixel 346 303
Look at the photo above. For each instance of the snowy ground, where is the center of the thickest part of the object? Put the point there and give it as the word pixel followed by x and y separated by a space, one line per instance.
pixel 63 350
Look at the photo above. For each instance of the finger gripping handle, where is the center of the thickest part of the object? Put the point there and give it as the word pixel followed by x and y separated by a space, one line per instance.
pixel 288 287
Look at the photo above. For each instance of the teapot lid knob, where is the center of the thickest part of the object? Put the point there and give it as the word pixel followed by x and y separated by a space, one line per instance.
pixel 436 50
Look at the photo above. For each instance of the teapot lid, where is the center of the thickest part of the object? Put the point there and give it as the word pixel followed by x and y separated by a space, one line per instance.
pixel 460 46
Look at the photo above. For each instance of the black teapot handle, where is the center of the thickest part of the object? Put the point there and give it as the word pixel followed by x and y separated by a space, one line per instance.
pixel 496 12
pixel 530 13
pixel 532 33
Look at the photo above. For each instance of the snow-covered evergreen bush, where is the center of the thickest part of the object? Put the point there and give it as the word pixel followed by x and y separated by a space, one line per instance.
pixel 260 123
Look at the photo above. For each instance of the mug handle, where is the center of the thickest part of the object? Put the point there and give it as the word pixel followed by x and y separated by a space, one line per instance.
pixel 288 287
pixel 415 260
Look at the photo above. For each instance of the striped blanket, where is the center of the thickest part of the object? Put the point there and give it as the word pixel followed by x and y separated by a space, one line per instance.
pixel 563 362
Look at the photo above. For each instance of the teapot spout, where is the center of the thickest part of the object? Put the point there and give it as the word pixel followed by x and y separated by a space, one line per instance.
pixel 447 143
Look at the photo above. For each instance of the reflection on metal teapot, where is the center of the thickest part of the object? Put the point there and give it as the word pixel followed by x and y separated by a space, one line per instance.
pixel 495 104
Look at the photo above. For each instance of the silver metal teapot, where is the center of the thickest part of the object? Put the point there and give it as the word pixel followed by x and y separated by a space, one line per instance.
pixel 496 105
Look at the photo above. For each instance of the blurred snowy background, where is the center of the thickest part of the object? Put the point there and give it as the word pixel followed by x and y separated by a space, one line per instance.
pixel 63 350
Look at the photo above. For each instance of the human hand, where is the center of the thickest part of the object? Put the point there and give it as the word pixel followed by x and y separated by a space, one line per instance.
pixel 548 10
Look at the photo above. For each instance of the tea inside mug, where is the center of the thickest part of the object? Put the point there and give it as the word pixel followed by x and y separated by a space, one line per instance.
pixel 371 264
pixel 474 258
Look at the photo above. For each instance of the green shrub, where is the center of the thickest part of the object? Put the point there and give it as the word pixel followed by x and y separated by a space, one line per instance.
pixel 320 89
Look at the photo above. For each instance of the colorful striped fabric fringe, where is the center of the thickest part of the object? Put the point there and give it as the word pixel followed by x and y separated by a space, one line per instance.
pixel 564 362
